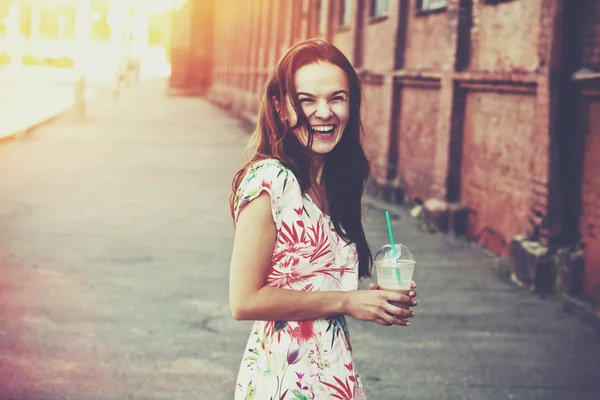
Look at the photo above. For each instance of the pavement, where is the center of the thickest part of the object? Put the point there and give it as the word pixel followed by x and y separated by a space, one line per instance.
pixel 115 240
pixel 32 96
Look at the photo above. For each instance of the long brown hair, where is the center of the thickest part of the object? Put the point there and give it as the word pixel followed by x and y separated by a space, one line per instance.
pixel 346 167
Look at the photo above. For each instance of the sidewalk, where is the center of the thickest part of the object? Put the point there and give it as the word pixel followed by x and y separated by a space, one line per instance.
pixel 115 239
pixel 31 97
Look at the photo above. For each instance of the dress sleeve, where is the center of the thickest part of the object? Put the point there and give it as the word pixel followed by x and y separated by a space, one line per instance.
pixel 269 176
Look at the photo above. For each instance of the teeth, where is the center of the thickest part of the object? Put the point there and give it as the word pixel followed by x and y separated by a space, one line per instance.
pixel 323 128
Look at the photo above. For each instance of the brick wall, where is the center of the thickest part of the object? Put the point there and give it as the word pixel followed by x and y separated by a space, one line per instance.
pixel 495 175
pixel 375 122
pixel 201 46
pixel 416 138
pixel 374 58
pixel 498 143
pixel 591 34
pixel 502 44
pixel 343 37
pixel 427 39
pixel 180 43
pixel 505 36
pixel 378 49
pixel 590 217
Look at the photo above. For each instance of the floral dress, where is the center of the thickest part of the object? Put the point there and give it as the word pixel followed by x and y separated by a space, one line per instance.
pixel 299 360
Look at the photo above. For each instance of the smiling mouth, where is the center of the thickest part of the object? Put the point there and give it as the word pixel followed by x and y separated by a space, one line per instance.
pixel 322 129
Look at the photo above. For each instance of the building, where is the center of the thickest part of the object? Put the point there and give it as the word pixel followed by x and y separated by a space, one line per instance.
pixel 192 46
pixel 485 111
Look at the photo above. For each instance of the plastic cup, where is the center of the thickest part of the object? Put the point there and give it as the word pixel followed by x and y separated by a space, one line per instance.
pixel 395 270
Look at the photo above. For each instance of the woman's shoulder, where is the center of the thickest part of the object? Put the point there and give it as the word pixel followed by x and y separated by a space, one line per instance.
pixel 271 169
pixel 272 176
pixel 269 163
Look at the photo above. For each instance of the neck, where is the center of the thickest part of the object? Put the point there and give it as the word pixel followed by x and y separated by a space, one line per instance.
pixel 317 162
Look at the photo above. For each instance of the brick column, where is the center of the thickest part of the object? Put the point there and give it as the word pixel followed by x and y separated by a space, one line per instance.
pixel 442 167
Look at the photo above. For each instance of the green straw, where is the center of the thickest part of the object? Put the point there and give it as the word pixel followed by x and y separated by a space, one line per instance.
pixel 389 225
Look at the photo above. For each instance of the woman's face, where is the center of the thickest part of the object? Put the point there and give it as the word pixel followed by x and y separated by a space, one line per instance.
pixel 323 93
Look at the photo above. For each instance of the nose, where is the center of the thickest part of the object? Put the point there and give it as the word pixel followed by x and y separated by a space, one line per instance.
pixel 323 111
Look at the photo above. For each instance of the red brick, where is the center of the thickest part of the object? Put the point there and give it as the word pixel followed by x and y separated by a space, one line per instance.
pixel 590 218
pixel 343 36
pixel 495 179
pixel 375 121
pixel 591 34
pixel 379 58
pixel 417 139
pixel 192 64
pixel 505 36
pixel 427 41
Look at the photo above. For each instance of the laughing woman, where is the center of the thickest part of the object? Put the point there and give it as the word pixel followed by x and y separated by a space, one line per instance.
pixel 300 247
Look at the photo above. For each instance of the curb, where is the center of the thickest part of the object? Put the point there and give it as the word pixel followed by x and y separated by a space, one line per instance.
pixel 47 119
pixel 33 126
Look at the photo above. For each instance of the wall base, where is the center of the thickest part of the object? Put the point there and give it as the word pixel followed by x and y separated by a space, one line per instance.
pixel 385 191
pixel 533 265
pixel 446 217
pixel 570 272
pixel 559 271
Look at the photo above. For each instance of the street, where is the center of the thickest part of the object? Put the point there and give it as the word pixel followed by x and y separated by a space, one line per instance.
pixel 115 240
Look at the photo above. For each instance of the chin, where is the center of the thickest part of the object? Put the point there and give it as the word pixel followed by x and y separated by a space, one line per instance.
pixel 322 149
pixel 321 145
pixel 324 146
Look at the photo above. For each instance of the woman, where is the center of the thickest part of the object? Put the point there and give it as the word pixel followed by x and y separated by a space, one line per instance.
pixel 300 247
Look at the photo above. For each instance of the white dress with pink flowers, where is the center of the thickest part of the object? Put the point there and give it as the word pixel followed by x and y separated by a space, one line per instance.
pixel 299 360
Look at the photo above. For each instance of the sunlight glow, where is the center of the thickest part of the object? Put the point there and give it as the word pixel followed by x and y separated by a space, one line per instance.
pixel 47 45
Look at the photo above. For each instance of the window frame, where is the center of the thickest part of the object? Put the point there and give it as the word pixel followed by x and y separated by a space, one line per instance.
pixel 429 6
pixel 344 14
pixel 379 9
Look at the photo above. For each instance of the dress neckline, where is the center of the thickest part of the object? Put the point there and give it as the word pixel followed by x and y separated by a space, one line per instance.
pixel 305 193
pixel 316 206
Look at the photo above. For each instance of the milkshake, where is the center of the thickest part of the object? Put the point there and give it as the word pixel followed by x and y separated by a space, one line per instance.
pixel 395 267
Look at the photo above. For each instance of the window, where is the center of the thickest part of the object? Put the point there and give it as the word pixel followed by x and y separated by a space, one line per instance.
pixel 345 12
pixel 379 8
pixel 430 5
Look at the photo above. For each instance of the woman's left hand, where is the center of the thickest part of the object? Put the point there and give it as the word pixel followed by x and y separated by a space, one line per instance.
pixel 413 286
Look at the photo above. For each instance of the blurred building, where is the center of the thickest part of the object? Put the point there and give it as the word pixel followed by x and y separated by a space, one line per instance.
pixel 485 111
pixel 192 46
pixel 57 32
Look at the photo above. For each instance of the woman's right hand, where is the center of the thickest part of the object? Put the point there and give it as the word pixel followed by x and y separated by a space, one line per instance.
pixel 374 305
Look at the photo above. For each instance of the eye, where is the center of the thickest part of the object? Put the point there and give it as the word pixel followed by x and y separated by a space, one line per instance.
pixel 338 98
pixel 306 100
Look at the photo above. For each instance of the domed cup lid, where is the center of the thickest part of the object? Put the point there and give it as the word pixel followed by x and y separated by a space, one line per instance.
pixel 386 253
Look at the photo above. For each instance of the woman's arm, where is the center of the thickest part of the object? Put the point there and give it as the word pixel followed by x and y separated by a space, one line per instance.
pixel 252 299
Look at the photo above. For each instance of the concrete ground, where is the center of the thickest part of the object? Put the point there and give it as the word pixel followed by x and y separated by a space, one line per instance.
pixel 115 239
